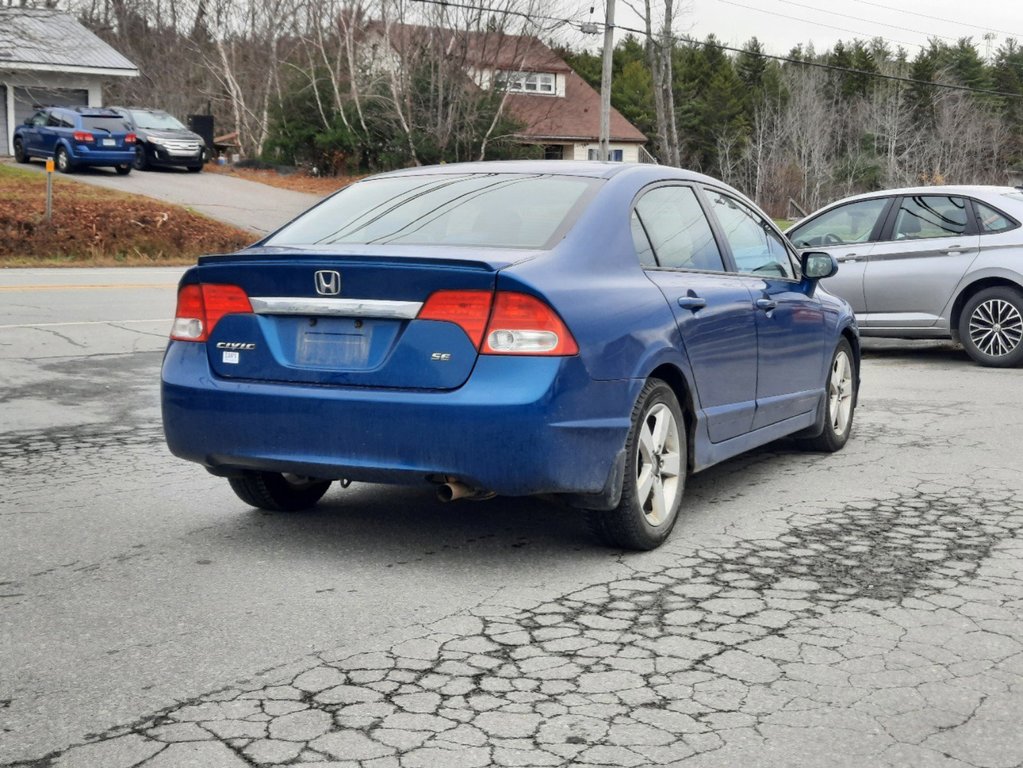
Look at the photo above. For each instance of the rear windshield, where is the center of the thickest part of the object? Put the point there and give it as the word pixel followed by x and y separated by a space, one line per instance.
pixel 108 124
pixel 499 210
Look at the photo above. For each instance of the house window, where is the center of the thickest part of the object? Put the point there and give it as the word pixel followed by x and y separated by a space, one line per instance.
pixel 528 82
pixel 614 155
pixel 554 152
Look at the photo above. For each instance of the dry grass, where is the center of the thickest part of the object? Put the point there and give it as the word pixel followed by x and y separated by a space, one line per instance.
pixel 296 182
pixel 92 226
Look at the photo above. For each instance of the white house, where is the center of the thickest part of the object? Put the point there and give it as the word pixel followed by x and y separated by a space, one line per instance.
pixel 49 58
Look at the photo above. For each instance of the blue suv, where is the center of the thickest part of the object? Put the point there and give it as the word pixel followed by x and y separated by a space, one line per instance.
pixel 76 136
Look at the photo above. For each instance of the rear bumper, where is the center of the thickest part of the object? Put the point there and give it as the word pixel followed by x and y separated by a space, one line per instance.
pixel 82 155
pixel 518 426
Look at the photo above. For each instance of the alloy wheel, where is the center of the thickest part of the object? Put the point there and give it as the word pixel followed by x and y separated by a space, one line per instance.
pixel 658 464
pixel 840 393
pixel 996 327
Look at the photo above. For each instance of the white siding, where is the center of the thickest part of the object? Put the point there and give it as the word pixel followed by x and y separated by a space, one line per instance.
pixel 630 152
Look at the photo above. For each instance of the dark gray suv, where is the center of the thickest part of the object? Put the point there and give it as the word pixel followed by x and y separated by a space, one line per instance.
pixel 929 263
pixel 163 140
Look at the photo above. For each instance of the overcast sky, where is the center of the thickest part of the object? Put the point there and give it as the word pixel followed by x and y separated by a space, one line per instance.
pixel 782 24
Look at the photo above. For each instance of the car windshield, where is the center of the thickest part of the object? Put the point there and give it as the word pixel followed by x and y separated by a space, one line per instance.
pixel 500 210
pixel 108 124
pixel 156 121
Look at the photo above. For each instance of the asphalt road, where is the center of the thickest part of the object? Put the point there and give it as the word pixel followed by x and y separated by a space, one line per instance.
pixel 245 204
pixel 857 609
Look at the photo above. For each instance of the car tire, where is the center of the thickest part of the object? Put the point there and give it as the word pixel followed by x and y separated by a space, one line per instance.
pixel 840 393
pixel 656 460
pixel 194 168
pixel 122 170
pixel 141 161
pixel 19 151
pixel 278 493
pixel 991 327
pixel 63 160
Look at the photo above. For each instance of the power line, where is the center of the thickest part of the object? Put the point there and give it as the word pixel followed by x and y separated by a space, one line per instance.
pixel 758 54
pixel 940 18
pixel 815 23
pixel 858 18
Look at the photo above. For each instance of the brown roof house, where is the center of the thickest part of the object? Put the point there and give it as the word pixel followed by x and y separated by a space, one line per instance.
pixel 49 58
pixel 558 110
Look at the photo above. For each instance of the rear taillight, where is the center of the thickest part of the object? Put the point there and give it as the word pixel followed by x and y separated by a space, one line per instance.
pixel 200 308
pixel 131 138
pixel 83 137
pixel 524 325
pixel 468 310
pixel 504 323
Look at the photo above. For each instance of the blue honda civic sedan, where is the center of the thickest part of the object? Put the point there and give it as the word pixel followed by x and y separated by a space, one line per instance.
pixel 598 331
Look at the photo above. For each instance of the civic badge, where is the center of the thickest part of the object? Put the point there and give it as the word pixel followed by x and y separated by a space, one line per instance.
pixel 328 282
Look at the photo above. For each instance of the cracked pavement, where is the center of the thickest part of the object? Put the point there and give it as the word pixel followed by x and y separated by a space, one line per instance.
pixel 857 609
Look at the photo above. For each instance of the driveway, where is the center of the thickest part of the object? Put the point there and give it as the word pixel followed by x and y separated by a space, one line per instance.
pixel 246 204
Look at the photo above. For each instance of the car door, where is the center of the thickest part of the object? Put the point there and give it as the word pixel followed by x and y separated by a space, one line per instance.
pixel 929 243
pixel 55 126
pixel 30 134
pixel 847 232
pixel 789 318
pixel 712 308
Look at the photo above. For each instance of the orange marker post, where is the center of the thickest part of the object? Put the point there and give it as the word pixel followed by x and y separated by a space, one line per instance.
pixel 49 191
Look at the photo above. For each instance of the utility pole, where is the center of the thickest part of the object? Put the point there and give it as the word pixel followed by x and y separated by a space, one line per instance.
pixel 605 82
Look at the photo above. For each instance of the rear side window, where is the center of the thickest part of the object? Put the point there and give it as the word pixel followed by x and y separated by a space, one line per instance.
pixel 499 210
pixel 926 216
pixel 108 124
pixel 850 223
pixel 677 230
pixel 992 221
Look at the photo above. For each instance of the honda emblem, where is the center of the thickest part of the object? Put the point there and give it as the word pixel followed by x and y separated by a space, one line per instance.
pixel 328 282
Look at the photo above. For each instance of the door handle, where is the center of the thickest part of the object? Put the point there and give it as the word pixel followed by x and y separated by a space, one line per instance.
pixel 692 302
pixel 766 304
pixel 847 258
pixel 953 250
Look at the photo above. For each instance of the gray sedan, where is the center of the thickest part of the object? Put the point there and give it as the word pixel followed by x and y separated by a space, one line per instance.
pixel 929 263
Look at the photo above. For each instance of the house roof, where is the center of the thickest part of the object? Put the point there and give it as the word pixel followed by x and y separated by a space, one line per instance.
pixel 576 117
pixel 43 39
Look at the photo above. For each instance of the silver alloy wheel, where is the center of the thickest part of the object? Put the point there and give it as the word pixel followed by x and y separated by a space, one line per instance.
pixel 840 393
pixel 658 464
pixel 63 161
pixel 996 327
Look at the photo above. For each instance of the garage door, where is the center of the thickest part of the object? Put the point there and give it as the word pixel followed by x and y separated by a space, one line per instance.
pixel 26 98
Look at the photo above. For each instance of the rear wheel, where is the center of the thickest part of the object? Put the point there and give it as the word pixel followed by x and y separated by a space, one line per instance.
pixel 655 474
pixel 991 327
pixel 122 170
pixel 19 151
pixel 840 391
pixel 63 160
pixel 278 492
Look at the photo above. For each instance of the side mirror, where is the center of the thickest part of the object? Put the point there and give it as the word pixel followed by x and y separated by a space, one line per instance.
pixel 818 265
pixel 27 121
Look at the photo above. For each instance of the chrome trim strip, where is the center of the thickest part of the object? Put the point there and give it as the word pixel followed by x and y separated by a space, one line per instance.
pixel 395 310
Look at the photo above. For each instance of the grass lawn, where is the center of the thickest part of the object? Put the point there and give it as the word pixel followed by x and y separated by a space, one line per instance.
pixel 93 226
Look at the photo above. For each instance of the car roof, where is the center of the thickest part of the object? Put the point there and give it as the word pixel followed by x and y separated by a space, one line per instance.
pixel 592 169
pixel 974 190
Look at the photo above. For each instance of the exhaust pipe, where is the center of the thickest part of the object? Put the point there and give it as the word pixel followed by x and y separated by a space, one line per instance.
pixel 452 490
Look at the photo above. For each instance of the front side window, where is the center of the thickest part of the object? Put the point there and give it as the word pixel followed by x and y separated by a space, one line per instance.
pixel 756 247
pixel 992 221
pixel 500 210
pixel 926 216
pixel 678 230
pixel 850 223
